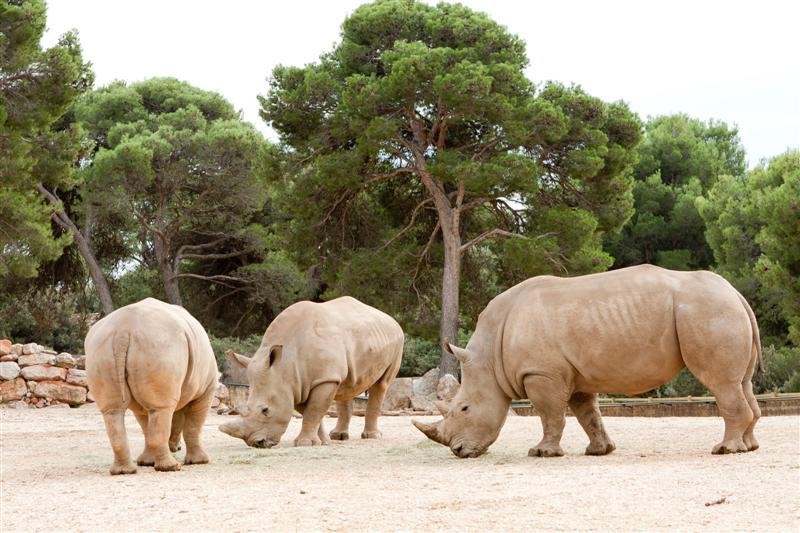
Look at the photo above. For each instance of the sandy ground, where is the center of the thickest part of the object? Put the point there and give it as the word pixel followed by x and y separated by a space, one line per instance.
pixel 54 476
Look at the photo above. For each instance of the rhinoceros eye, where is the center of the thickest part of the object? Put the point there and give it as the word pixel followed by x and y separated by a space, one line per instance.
pixel 465 408
pixel 265 411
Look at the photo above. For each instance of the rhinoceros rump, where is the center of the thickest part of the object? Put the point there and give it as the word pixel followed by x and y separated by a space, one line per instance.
pixel 312 354
pixel 155 359
pixel 560 341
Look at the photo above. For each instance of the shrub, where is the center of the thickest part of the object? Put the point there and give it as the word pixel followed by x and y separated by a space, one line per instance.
pixel 245 346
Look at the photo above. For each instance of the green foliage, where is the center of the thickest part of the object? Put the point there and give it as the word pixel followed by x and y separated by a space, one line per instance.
pixel 680 158
pixel 684 384
pixel 782 370
pixel 55 318
pixel 421 354
pixel 38 144
pixel 413 105
pixel 246 346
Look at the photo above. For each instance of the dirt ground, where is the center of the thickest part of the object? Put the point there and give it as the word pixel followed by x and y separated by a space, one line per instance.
pixel 54 476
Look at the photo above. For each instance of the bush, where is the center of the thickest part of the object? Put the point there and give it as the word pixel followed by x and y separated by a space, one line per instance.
pixel 782 372
pixel 55 318
pixel 420 354
pixel 245 346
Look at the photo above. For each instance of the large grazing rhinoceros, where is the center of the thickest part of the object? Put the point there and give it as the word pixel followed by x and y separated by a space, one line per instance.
pixel 560 341
pixel 154 359
pixel 312 354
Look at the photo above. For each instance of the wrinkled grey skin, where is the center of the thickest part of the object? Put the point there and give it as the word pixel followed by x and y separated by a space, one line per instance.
pixel 562 341
pixel 263 422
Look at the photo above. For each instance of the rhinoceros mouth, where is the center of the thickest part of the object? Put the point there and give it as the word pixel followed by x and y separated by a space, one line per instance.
pixel 466 452
pixel 262 443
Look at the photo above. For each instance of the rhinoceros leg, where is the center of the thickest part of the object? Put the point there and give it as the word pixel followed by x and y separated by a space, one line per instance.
pixel 585 408
pixel 737 415
pixel 749 438
pixel 114 420
pixel 345 411
pixel 374 403
pixel 156 440
pixel 176 431
pixel 194 418
pixel 145 458
pixel 319 399
pixel 549 398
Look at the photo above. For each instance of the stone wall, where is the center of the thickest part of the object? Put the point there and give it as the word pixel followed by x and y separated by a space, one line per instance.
pixel 34 376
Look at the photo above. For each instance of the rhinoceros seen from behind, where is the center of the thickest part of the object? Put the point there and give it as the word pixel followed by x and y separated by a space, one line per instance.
pixel 311 355
pixel 154 359
pixel 561 341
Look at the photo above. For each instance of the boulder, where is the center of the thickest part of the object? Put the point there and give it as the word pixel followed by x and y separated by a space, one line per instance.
pixel 16 349
pixel 47 350
pixel 423 403
pixel 30 348
pixel 9 357
pixel 398 395
pixel 214 402
pixel 44 373
pixel 36 359
pixel 14 389
pixel 5 346
pixel 18 404
pixel 65 360
pixel 31 386
pixel 80 362
pixel 447 387
pixel 426 385
pixel 77 377
pixel 9 370
pixel 63 392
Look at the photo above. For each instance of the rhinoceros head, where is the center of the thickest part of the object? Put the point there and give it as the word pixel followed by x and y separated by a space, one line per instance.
pixel 270 402
pixel 472 420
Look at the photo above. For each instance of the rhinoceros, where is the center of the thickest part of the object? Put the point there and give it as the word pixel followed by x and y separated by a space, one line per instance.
pixel 154 359
pixel 561 341
pixel 310 355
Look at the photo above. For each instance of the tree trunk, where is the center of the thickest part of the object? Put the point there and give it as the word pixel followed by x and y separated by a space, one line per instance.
pixel 451 281
pixel 171 288
pixel 98 278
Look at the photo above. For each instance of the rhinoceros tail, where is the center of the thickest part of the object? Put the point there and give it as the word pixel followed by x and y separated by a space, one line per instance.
pixel 756 336
pixel 119 346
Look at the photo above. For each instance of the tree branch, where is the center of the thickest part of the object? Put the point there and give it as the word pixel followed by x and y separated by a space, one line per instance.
pixel 410 223
pixel 497 231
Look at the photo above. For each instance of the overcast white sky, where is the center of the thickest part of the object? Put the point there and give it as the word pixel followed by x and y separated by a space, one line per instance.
pixel 734 61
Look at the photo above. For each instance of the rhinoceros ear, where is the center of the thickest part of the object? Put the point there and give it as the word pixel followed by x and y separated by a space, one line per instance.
pixel 459 353
pixel 238 359
pixel 275 354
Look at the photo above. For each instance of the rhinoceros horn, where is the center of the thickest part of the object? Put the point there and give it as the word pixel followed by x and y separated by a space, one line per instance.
pixel 442 406
pixel 232 428
pixel 430 430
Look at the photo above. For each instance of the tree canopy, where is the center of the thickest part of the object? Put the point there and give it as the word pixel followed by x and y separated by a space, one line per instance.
pixel 38 142
pixel 419 132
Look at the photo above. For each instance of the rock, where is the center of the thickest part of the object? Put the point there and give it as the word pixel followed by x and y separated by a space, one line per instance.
pixel 44 373
pixel 5 346
pixel 222 409
pixel 30 348
pixel 214 402
pixel 447 387
pixel 63 392
pixel 222 393
pixel 426 384
pixel 14 389
pixel 77 377
pixel 398 395
pixel 16 349
pixel 80 362
pixel 9 370
pixel 18 405
pixel 423 403
pixel 65 360
pixel 35 359
pixel 31 386
pixel 59 404
pixel 50 351
pixel 11 357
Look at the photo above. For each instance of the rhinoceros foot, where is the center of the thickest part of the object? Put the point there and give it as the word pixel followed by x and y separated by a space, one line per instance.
pixel 600 448
pixel 145 459
pixel 168 464
pixel 371 434
pixel 129 468
pixel 307 441
pixel 729 446
pixel 546 450
pixel 198 457
pixel 340 435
